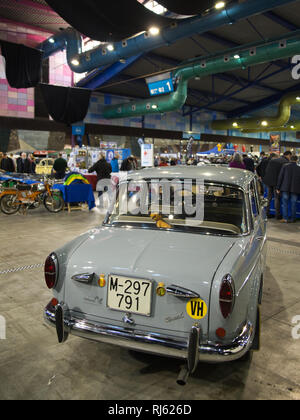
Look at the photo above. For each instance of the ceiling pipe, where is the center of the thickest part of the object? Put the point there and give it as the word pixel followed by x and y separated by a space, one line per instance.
pixel 243 57
pixel 101 77
pixel 291 126
pixel 260 123
pixel 81 62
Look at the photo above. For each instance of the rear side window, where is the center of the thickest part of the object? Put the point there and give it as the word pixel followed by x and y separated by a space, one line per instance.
pixel 254 200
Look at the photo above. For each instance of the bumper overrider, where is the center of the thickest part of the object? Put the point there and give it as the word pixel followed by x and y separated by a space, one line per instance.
pixel 189 349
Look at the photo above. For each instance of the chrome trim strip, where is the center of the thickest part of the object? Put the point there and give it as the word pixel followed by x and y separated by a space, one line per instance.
pixel 85 278
pixel 154 343
pixel 181 292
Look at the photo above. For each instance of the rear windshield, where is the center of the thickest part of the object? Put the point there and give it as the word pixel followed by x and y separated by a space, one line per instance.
pixel 181 205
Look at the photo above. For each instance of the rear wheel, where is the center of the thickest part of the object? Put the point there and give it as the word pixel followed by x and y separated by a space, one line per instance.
pixel 8 204
pixel 54 203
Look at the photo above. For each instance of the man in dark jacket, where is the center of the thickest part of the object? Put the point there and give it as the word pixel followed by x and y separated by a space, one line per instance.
pixel 249 163
pixel 23 164
pixel 289 186
pixel 7 164
pixel 103 170
pixel 59 167
pixel 271 179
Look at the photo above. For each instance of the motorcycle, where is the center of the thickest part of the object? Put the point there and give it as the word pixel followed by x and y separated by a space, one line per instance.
pixel 24 197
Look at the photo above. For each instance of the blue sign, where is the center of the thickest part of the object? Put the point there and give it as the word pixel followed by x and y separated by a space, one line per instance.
pixel 160 87
pixel 78 130
pixel 189 135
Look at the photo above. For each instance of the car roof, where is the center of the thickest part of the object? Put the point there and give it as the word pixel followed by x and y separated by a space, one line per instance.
pixel 210 173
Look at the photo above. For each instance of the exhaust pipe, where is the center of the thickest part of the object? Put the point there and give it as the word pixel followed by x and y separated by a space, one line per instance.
pixel 183 376
pixel 192 357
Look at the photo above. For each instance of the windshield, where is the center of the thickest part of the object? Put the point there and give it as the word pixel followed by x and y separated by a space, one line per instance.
pixel 191 205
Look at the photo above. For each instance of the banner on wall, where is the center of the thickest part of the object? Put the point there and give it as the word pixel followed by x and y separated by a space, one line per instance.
pixel 275 143
pixel 147 155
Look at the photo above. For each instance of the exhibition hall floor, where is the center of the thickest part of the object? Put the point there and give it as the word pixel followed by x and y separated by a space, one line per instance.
pixel 34 366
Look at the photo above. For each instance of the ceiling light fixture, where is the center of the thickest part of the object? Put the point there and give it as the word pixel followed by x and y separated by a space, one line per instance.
pixel 154 30
pixel 75 62
pixel 110 47
pixel 264 123
pixel 220 5
pixel 52 40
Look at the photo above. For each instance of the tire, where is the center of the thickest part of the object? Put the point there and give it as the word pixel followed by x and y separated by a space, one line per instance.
pixel 54 203
pixel 7 206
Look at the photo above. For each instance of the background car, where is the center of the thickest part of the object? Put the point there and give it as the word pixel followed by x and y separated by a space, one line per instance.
pixel 44 167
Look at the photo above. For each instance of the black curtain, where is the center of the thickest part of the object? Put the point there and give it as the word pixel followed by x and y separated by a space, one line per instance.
pixel 187 7
pixel 108 20
pixel 66 105
pixel 23 65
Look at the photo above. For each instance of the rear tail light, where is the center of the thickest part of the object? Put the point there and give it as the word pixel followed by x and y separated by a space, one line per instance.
pixel 51 270
pixel 227 296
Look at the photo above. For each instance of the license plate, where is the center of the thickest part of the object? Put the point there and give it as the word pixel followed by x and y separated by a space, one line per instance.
pixel 129 295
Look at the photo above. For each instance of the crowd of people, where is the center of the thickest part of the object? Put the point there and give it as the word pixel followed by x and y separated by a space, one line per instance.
pixel 279 176
pixel 25 164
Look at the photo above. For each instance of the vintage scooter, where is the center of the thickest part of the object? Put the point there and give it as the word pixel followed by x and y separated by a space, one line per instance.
pixel 23 197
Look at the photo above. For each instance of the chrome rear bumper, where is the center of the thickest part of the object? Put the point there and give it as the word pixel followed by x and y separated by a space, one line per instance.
pixel 152 343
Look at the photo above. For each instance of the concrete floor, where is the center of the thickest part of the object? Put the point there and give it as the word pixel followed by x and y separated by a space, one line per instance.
pixel 34 366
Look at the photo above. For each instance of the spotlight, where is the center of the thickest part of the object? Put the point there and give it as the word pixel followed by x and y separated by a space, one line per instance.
pixel 110 47
pixel 220 5
pixel 154 30
pixel 237 56
pixel 264 123
pixel 75 62
pixel 51 40
pixel 235 124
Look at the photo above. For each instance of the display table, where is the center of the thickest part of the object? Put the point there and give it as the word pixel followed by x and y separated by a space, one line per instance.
pixel 77 193
pixel 92 180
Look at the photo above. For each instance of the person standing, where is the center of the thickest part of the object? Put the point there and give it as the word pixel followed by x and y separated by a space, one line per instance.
pixel 33 163
pixel 289 187
pixel 249 163
pixel 103 170
pixel 163 162
pixel 115 163
pixel 127 165
pixel 59 167
pixel 7 164
pixel 237 162
pixel 23 164
pixel 271 180
pixel 14 161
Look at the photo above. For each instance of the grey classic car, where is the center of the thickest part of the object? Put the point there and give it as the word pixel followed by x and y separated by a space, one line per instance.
pixel 176 269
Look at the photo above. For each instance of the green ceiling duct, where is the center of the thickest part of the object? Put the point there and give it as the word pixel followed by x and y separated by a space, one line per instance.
pixel 242 57
pixel 262 123
pixel 291 126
